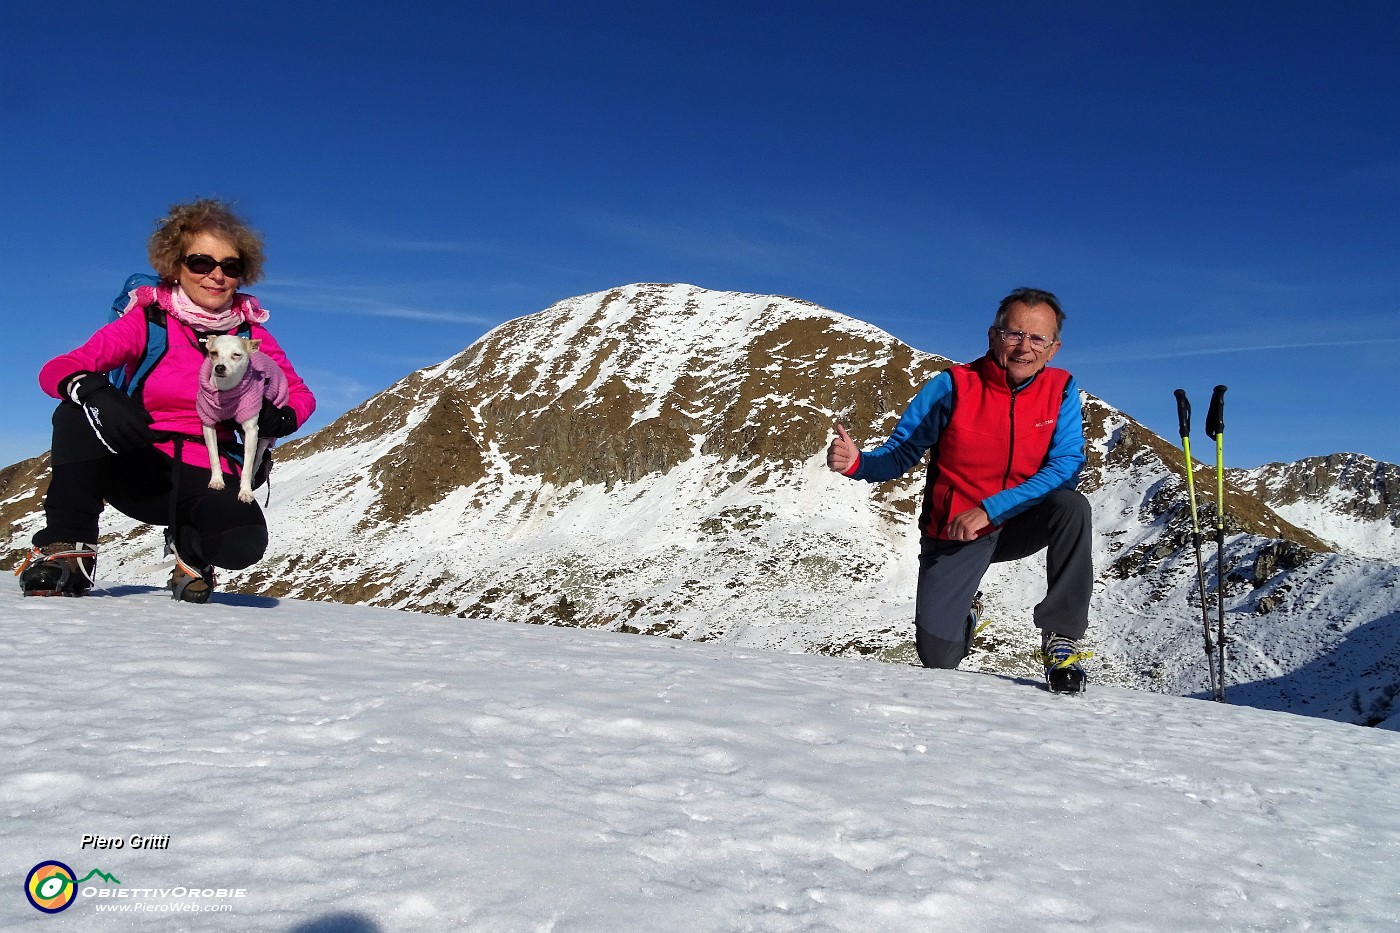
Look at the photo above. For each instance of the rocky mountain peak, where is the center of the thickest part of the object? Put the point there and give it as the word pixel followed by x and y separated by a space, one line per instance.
pixel 619 385
pixel 1351 500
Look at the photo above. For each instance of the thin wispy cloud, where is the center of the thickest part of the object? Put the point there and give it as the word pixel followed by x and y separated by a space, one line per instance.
pixel 365 301
pixel 1223 346
pixel 455 247
pixel 1377 173
pixel 334 389
pixel 734 240
pixel 535 257
pixel 350 236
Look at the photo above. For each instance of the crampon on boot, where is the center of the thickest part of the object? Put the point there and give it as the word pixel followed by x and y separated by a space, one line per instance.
pixel 1063 672
pixel 58 569
pixel 975 621
pixel 189 584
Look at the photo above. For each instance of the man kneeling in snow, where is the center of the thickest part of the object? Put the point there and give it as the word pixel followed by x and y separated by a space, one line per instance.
pixel 1007 435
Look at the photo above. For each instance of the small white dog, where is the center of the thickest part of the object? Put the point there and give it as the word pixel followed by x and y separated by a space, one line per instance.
pixel 233 381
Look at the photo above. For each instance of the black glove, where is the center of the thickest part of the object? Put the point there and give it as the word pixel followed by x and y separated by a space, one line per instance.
pixel 118 420
pixel 276 420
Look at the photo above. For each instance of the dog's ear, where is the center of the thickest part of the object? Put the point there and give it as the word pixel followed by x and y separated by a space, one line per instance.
pixel 253 344
pixel 204 341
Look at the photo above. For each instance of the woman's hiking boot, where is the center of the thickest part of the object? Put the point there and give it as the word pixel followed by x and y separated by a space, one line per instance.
pixel 189 584
pixel 59 569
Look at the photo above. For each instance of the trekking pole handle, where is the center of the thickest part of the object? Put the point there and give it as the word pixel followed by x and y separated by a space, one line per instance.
pixel 1215 418
pixel 1183 412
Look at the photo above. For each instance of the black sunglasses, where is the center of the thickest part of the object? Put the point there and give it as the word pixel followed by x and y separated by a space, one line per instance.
pixel 200 264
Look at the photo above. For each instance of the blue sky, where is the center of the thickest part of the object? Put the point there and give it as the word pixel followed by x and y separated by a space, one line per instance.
pixel 1213 189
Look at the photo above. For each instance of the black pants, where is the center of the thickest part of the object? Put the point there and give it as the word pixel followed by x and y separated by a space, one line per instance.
pixel 950 572
pixel 210 527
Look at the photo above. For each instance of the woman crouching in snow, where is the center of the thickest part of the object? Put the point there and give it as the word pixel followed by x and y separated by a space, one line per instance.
pixel 141 453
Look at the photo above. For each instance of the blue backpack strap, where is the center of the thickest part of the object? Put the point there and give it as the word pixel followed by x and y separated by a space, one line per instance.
pixel 155 335
pixel 157 341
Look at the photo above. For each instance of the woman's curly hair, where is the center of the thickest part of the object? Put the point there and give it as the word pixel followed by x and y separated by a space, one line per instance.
pixel 207 215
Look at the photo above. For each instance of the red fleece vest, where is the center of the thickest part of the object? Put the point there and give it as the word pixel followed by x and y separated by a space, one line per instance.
pixel 994 439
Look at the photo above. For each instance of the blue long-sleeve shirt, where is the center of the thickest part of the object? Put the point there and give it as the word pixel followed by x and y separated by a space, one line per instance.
pixel 923 421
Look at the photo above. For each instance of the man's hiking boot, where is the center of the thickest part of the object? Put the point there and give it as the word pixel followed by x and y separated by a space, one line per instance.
pixel 58 569
pixel 1063 672
pixel 190 585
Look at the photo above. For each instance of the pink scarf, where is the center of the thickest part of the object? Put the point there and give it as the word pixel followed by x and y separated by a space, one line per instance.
pixel 176 302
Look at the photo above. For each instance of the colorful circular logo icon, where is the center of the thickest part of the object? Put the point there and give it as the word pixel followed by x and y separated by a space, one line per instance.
pixel 50 887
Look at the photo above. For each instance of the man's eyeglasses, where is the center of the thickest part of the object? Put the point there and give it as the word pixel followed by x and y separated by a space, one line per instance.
pixel 1037 341
pixel 200 264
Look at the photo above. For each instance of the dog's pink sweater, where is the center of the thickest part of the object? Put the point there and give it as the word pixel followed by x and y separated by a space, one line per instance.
pixel 263 380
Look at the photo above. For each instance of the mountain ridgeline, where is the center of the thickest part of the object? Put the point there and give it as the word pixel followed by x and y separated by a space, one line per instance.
pixel 651 459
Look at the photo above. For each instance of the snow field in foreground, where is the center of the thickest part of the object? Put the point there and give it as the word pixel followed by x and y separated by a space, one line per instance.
pixel 368 771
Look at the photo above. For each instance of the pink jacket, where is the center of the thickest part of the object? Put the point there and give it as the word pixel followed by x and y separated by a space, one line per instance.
pixel 173 385
pixel 263 380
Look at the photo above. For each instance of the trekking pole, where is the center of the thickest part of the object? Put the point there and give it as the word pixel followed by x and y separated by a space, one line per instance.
pixel 1183 417
pixel 1215 427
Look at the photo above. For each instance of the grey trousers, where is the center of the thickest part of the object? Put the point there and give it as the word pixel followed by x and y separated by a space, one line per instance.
pixel 951 571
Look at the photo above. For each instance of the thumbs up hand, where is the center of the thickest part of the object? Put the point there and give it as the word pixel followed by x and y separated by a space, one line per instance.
pixel 843 453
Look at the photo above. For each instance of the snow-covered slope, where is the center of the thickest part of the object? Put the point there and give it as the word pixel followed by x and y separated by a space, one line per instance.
pixel 331 768
pixel 650 459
